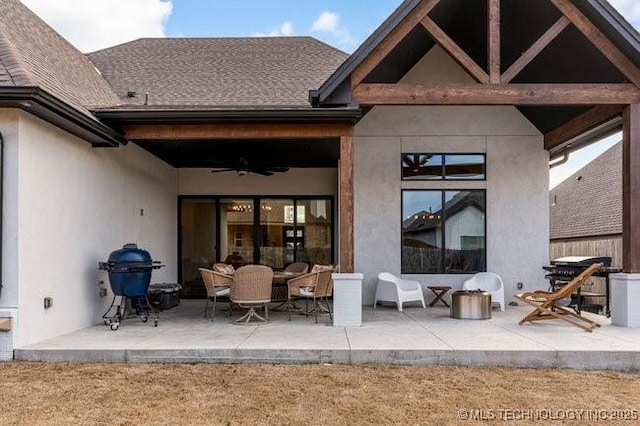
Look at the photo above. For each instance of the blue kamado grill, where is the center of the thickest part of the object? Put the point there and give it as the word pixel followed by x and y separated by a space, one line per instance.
pixel 129 271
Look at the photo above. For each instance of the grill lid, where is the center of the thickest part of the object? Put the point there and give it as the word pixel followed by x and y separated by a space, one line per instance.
pixel 130 253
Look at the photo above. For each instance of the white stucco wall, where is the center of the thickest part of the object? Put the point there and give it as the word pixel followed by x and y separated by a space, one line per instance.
pixel 293 182
pixel 72 205
pixel 516 185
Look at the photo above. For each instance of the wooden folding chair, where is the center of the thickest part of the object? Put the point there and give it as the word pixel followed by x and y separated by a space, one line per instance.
pixel 546 303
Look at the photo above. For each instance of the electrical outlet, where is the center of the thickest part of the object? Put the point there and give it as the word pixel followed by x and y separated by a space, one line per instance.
pixel 520 286
pixel 48 302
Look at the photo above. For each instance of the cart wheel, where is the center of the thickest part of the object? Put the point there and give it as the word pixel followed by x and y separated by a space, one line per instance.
pixel 145 319
pixel 114 326
pixel 155 322
pixel 107 321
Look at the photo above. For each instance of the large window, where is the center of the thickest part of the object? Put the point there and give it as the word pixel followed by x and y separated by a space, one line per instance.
pixel 443 231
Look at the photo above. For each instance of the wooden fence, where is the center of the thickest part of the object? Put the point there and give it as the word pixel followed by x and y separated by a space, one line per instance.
pixel 610 246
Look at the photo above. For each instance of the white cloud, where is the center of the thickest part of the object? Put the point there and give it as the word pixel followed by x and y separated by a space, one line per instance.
pixel 95 24
pixel 630 9
pixel 285 29
pixel 329 23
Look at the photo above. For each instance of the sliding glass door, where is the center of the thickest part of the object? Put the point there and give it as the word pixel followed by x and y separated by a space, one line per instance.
pixel 273 231
pixel 198 243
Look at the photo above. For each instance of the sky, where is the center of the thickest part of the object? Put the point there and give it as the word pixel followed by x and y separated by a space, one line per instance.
pixel 95 24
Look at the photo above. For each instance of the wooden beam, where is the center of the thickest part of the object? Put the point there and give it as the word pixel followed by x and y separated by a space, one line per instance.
pixel 234 131
pixel 631 189
pixel 608 49
pixel 494 41
pixel 535 49
pixel 345 205
pixel 496 94
pixel 581 124
pixel 459 55
pixel 391 41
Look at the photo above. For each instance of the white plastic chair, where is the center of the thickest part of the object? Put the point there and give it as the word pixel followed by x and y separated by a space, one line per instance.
pixel 490 282
pixel 393 289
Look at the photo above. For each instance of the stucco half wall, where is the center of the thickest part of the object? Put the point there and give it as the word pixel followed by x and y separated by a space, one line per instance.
pixel 517 181
pixel 69 205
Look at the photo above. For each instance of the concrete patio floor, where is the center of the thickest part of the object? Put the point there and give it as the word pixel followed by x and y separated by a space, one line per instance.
pixel 416 336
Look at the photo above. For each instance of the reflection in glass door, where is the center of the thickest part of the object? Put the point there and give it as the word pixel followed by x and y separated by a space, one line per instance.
pixel 236 232
pixel 313 236
pixel 198 245
pixel 274 218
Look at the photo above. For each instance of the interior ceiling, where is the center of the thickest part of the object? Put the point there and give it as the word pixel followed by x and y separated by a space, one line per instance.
pixel 569 58
pixel 294 153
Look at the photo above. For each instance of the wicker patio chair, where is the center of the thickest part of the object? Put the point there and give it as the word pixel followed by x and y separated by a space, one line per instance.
pixel 251 289
pixel 217 285
pixel 313 286
pixel 298 268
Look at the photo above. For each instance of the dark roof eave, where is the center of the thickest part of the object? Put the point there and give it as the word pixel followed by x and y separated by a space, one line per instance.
pixel 44 105
pixel 186 116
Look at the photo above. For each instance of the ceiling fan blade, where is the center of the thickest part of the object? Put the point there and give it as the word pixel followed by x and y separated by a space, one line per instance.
pixel 222 170
pixel 262 172
pixel 278 169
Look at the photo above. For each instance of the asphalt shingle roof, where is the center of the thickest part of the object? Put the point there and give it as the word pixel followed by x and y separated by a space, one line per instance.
pixel 589 203
pixel 33 54
pixel 218 72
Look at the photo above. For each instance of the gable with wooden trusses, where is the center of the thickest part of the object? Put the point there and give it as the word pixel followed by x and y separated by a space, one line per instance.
pixel 569 66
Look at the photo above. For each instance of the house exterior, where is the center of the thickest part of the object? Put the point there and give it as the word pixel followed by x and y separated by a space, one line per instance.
pixel 586 210
pixel 307 144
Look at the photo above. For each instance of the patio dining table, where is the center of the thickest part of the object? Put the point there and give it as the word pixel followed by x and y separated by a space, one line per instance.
pixel 280 291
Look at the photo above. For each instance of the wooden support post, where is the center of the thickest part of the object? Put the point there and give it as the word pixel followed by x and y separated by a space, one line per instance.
pixel 345 205
pixel 494 41
pixel 631 189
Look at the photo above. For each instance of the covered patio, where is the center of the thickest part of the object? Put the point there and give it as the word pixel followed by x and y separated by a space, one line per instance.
pixel 416 336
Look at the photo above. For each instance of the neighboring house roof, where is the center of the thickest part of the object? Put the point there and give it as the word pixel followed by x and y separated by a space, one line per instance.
pixel 32 54
pixel 589 203
pixel 229 73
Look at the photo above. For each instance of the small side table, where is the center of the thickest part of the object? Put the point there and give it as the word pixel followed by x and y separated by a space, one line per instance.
pixel 439 291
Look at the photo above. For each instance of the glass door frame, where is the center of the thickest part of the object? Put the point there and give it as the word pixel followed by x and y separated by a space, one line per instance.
pixel 257 231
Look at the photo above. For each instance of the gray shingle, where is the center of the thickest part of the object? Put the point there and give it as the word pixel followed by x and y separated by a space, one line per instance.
pixel 589 203
pixel 33 54
pixel 218 72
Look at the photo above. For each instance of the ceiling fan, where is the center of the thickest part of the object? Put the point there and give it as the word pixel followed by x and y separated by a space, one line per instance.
pixel 242 167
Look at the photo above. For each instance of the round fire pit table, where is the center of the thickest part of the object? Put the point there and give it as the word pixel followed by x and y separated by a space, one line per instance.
pixel 475 305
